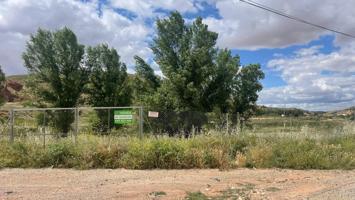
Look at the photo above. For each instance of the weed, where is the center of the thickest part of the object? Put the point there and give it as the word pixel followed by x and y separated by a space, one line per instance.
pixel 272 189
pixel 196 196
pixel 203 151
pixel 157 194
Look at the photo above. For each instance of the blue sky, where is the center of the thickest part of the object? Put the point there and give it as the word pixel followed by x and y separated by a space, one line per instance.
pixel 263 56
pixel 305 67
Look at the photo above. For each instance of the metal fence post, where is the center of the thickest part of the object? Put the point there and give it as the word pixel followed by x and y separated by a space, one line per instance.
pixel 11 125
pixel 238 123
pixel 141 121
pixel 109 121
pixel 227 123
pixel 76 123
pixel 44 129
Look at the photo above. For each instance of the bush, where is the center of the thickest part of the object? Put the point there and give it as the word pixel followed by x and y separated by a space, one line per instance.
pixel 212 151
pixel 60 154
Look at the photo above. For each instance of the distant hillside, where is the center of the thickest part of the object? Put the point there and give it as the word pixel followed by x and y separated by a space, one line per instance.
pixel 345 112
pixel 295 112
pixel 13 88
pixel 273 111
pixel 18 78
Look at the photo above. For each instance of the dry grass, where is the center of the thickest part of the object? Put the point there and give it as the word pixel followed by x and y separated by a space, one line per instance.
pixel 212 150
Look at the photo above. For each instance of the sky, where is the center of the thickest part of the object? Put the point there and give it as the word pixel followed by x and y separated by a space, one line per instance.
pixel 305 67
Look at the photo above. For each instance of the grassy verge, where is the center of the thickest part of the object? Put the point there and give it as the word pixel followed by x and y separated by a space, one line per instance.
pixel 213 151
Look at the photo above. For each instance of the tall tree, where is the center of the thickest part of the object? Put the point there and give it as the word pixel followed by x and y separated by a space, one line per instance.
pixel 144 71
pixel 2 86
pixel 218 92
pixel 54 61
pixel 185 55
pixel 245 90
pixel 108 82
pixel 197 75
pixel 145 83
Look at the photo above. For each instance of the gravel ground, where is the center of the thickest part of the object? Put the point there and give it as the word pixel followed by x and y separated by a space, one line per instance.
pixel 175 184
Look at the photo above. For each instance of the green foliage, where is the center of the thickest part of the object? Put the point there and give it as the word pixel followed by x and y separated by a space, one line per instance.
pixel 196 196
pixel 53 60
pixel 221 87
pixel 245 90
pixel 214 151
pixel 145 83
pixel 289 112
pixel 197 75
pixel 242 192
pixel 108 83
pixel 144 71
pixel 185 55
pixel 157 193
pixel 200 77
pixel 60 154
pixel 2 86
pixel 108 78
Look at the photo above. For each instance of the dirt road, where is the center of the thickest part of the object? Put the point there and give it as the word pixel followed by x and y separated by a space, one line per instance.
pixel 175 184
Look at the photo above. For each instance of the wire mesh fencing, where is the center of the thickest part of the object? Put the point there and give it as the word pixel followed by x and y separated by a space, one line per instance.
pixel 122 121
pixel 189 123
pixel 42 124
pixel 45 124
pixel 4 124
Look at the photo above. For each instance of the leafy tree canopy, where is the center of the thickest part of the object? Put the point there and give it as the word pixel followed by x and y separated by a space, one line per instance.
pixel 245 90
pixel 185 55
pixel 198 75
pixel 54 61
pixel 145 83
pixel 108 78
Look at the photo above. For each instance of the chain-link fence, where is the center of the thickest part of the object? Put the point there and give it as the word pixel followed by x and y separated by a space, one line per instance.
pixel 44 124
pixel 188 123
pixel 121 121
pixel 4 124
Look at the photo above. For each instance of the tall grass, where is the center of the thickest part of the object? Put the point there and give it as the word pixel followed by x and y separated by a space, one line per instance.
pixel 202 151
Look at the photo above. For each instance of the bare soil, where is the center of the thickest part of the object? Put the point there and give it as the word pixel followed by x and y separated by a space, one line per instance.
pixel 175 184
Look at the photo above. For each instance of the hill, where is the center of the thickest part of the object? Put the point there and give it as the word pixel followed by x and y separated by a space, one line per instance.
pixel 275 111
pixel 13 87
pixel 18 78
pixel 348 112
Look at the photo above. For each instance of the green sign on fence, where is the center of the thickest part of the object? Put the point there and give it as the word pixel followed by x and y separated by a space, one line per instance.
pixel 123 116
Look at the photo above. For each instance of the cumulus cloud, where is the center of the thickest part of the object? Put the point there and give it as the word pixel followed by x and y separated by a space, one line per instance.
pixel 314 80
pixel 148 8
pixel 245 27
pixel 20 18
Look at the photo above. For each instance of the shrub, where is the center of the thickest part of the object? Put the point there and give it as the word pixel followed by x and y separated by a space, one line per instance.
pixel 211 151
pixel 61 154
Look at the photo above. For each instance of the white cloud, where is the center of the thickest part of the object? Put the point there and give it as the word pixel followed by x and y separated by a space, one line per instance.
pixel 11 48
pixel 314 80
pixel 246 27
pixel 147 8
pixel 20 18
